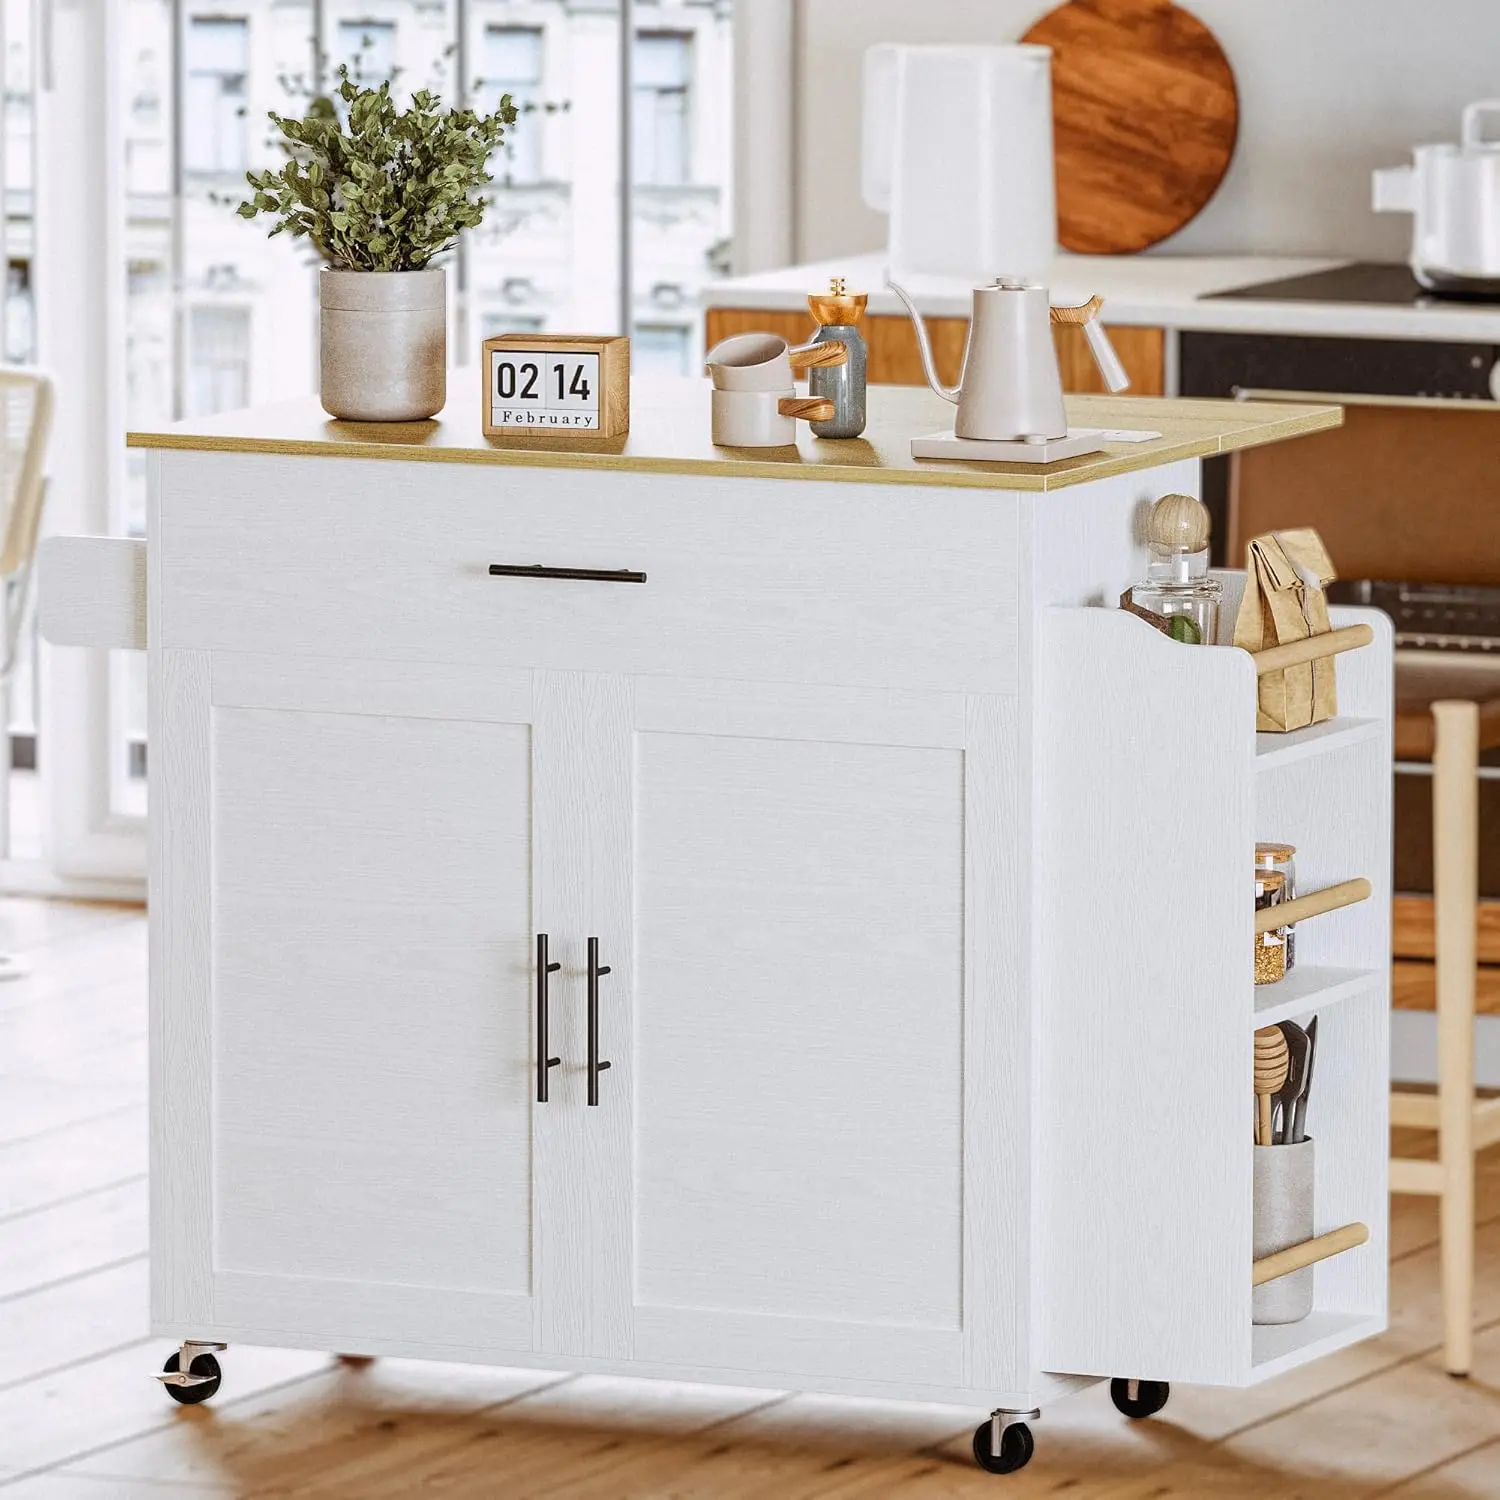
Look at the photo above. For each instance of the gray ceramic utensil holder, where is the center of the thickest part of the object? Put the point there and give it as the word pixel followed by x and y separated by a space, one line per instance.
pixel 1283 1217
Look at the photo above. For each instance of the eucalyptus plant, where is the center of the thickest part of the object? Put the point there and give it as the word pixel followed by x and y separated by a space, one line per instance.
pixel 374 187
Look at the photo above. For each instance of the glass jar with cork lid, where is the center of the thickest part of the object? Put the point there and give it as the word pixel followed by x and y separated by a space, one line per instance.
pixel 1282 857
pixel 1178 589
pixel 1270 947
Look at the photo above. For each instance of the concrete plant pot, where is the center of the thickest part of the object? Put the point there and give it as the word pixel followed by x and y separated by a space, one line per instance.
pixel 383 345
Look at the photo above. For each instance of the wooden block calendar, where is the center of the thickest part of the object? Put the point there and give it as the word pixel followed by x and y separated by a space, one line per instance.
pixel 556 385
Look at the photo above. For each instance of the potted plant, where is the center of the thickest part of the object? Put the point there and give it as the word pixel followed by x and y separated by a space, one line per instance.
pixel 380 193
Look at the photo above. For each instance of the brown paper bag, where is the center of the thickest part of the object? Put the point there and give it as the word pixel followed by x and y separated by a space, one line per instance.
pixel 1286 575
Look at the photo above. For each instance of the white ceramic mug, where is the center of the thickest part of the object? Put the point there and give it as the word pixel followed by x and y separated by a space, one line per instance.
pixel 765 361
pixel 763 419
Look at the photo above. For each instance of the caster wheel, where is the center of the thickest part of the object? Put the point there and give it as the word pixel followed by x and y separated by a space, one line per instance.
pixel 1016 1447
pixel 1151 1396
pixel 191 1395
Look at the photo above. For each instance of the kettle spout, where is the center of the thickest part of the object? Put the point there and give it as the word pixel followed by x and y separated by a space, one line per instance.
pixel 924 344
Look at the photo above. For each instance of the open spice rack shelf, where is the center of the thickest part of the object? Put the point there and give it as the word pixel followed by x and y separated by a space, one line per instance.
pixel 1156 789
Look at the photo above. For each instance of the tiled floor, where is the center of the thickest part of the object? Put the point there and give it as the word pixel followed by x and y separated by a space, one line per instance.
pixel 79 1417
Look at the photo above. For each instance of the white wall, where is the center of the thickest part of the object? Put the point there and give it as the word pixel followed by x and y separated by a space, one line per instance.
pixel 1328 90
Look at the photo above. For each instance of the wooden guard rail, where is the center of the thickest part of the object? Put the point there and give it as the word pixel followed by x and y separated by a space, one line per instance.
pixel 1314 904
pixel 1309 1252
pixel 1294 653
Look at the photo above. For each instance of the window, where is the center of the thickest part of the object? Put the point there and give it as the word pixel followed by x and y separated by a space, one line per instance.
pixel 512 64
pixel 369 47
pixel 659 120
pixel 216 59
pixel 660 349
pixel 218 358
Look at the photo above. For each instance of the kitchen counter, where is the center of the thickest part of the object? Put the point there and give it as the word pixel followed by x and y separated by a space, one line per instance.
pixel 670 435
pixel 1157 291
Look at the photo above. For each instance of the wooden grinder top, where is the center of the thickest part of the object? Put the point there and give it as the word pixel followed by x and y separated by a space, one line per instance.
pixel 1144 119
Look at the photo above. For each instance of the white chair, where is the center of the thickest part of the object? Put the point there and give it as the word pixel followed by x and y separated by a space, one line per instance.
pixel 25 424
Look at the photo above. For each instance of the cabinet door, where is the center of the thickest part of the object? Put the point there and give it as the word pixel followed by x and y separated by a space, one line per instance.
pixel 342 936
pixel 821 985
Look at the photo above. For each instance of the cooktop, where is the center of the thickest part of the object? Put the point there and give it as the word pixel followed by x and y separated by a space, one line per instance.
pixel 1361 281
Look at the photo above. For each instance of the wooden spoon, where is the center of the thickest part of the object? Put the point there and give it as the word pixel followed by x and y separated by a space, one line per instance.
pixel 1272 1063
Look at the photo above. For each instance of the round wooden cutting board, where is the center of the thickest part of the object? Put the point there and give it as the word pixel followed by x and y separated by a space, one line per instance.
pixel 1144 119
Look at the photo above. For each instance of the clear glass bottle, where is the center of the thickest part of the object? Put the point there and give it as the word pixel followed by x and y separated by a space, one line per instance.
pixel 1282 857
pixel 1177 585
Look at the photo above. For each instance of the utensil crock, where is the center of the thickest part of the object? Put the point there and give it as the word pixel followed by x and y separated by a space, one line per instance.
pixel 1283 1216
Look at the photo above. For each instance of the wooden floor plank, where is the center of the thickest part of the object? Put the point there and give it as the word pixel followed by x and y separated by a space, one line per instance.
pixel 82 1235
pixel 30 1107
pixel 32 1037
pixel 66 1419
pixel 65 1324
pixel 68 1486
pixel 343 1416
pixel 75 1159
pixel 98 957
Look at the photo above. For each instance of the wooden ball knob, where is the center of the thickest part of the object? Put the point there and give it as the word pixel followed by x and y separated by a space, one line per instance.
pixel 1179 523
pixel 1272 1061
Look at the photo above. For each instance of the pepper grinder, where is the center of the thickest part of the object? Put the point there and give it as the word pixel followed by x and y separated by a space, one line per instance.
pixel 836 312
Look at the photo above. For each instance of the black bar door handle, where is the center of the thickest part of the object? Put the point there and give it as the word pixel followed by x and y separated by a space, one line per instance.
pixel 593 575
pixel 596 970
pixel 543 1062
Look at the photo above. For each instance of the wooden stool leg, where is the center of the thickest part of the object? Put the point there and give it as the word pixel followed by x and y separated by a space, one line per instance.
pixel 1455 839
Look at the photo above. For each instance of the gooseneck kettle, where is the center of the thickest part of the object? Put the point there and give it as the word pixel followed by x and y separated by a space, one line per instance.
pixel 1011 388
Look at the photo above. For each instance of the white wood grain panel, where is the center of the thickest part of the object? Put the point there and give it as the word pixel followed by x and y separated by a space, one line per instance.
pixel 998 1084
pixel 419 690
pixel 583 859
pixel 835 715
pixel 181 929
pixel 806 1347
pixel 92 591
pixel 799 997
pixel 372 1005
pixel 827 583
pixel 1145 826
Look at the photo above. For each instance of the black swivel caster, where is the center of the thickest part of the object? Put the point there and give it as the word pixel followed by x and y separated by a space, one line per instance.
pixel 1016 1447
pixel 191 1395
pixel 1149 1397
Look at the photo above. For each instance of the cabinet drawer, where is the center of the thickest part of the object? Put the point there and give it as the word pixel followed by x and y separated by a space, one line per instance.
pixel 808 581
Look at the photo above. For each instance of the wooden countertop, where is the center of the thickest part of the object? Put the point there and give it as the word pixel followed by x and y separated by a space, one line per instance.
pixel 670 435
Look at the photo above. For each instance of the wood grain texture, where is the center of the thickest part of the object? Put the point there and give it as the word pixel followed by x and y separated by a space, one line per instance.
pixel 1412 929
pixel 895 360
pixel 1414 986
pixel 584 836
pixel 1144 118
pixel 670 434
pixel 789 989
pixel 901 588
pixel 92 591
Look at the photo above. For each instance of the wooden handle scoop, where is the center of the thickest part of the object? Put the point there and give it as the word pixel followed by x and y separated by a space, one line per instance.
pixel 1272 1063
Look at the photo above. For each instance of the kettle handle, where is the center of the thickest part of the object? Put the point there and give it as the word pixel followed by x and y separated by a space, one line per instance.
pixel 924 346
pixel 1086 316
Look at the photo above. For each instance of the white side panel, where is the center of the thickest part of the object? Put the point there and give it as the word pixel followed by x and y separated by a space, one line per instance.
pixel 1144 832
pixel 874 586
pixel 799 1041
pixel 181 937
pixel 92 591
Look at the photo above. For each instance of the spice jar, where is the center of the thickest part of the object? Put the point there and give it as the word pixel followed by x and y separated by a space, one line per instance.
pixel 1280 857
pixel 1270 947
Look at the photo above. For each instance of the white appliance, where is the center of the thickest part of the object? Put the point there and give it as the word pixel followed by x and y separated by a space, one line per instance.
pixel 958 151
pixel 1452 193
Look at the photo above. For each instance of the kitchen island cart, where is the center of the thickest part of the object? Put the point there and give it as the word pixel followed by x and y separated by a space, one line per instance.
pixel 745 917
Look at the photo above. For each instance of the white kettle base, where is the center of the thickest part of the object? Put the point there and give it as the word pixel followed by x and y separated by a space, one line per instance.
pixel 1080 440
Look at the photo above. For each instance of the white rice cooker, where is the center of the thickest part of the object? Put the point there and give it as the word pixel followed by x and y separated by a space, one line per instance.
pixel 1453 194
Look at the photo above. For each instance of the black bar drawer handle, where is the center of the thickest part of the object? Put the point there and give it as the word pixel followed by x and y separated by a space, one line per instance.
pixel 594 575
pixel 596 969
pixel 543 1062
